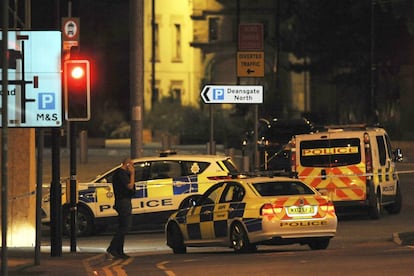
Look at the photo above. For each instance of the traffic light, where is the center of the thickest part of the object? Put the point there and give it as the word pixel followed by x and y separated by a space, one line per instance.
pixel 76 85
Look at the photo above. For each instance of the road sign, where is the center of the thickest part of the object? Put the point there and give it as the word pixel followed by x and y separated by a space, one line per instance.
pixel 34 84
pixel 250 37
pixel 247 94
pixel 250 64
pixel 70 31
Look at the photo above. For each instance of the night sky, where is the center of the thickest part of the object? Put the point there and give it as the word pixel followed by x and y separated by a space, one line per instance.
pixel 104 39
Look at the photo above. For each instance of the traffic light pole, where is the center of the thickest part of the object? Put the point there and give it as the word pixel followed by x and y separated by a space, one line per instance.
pixel 72 183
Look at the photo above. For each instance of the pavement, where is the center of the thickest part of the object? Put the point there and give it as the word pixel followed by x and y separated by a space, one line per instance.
pixel 24 261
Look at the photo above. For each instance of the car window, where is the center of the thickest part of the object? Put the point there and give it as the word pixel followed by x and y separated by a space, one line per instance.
pixel 165 169
pixel 193 167
pixel 211 195
pixel 381 149
pixel 106 178
pixel 233 192
pixel 229 166
pixel 141 171
pixel 281 188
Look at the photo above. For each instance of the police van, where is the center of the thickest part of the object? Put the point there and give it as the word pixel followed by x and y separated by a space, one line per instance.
pixel 161 184
pixel 354 165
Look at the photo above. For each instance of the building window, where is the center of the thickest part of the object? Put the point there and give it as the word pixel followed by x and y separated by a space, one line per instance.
pixel 177 43
pixel 156 43
pixel 155 94
pixel 213 28
pixel 176 91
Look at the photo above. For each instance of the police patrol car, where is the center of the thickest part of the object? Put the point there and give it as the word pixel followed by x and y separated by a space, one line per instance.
pixel 244 213
pixel 353 164
pixel 161 184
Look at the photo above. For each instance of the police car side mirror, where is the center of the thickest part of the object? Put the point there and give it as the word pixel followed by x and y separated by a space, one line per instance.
pixel 398 155
pixel 192 202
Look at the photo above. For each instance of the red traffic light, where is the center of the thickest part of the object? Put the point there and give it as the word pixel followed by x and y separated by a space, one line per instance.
pixel 76 85
pixel 77 72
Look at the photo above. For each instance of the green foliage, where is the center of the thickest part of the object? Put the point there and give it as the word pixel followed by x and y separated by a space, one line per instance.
pixel 192 125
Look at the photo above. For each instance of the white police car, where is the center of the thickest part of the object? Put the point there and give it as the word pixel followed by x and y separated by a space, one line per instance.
pixel 161 184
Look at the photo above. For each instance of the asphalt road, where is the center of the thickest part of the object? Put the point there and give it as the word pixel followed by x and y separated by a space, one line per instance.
pixel 361 247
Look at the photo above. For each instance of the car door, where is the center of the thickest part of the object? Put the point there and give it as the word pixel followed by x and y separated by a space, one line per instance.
pixel 141 193
pixel 200 219
pixel 229 206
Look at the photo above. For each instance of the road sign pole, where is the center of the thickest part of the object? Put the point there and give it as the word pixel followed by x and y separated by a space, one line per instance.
pixel 4 140
pixel 256 136
pixel 211 150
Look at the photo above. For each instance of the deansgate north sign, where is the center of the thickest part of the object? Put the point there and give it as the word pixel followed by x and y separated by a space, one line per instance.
pixel 247 94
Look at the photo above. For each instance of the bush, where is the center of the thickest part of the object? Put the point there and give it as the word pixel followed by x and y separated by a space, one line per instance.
pixel 192 125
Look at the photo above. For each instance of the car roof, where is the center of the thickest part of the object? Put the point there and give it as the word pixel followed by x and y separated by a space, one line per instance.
pixel 173 157
pixel 184 157
pixel 256 179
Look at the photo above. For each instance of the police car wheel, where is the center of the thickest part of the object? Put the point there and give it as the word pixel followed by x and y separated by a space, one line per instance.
pixel 395 208
pixel 239 239
pixel 319 244
pixel 175 239
pixel 83 222
pixel 375 205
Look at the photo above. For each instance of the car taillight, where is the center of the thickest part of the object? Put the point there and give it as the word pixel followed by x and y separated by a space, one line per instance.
pixel 368 154
pixel 270 209
pixel 292 145
pixel 327 206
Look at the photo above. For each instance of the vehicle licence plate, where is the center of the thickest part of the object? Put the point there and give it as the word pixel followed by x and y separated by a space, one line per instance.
pixel 300 210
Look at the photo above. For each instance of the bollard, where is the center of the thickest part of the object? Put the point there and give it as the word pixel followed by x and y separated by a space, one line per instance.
pixel 83 146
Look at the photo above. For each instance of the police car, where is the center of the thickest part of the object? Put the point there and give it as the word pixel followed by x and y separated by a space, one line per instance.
pixel 353 164
pixel 161 184
pixel 244 213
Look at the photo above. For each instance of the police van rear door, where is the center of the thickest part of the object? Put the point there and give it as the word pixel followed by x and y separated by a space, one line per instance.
pixel 332 163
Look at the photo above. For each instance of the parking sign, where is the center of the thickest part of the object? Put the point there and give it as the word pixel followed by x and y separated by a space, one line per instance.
pixel 232 94
pixel 34 81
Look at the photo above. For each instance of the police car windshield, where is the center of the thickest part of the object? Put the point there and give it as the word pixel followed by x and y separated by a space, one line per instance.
pixel 281 188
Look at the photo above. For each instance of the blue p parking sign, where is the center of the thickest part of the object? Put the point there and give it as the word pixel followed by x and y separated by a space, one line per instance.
pixel 218 94
pixel 46 101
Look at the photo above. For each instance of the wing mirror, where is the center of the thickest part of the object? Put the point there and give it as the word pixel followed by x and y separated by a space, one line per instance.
pixel 398 155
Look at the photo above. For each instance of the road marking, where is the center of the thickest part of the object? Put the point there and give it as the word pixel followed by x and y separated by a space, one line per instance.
pixel 94 259
pixel 161 266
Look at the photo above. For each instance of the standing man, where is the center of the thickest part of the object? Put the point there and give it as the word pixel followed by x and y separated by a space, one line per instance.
pixel 123 183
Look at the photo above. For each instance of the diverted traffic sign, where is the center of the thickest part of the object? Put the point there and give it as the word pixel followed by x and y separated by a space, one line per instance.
pixel 246 94
pixel 250 64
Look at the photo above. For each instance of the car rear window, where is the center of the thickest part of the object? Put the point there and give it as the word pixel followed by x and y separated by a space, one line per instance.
pixel 229 166
pixel 281 188
pixel 330 152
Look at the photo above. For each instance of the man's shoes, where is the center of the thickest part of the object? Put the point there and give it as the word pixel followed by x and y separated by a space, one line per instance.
pixel 114 254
